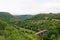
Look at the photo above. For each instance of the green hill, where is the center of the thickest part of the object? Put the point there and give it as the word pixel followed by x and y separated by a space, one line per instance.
pixel 49 16
pixel 7 17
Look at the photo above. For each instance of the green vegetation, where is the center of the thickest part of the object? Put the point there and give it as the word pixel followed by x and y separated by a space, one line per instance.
pixel 12 28
pixel 8 32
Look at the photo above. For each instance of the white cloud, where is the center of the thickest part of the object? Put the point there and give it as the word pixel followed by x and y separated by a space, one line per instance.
pixel 29 6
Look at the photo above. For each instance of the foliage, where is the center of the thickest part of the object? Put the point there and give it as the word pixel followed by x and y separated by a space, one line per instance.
pixel 12 28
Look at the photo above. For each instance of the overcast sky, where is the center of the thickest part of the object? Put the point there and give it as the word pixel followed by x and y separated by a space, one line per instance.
pixel 29 6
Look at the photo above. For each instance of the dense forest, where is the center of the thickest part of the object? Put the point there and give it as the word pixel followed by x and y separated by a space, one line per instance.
pixel 15 27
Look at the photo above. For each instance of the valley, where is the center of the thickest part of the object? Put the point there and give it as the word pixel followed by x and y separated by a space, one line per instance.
pixel 24 27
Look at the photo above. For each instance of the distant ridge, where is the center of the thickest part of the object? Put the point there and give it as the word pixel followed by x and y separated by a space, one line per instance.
pixel 23 16
pixel 45 16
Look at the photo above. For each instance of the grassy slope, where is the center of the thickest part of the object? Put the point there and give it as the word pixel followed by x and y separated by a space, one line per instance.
pixel 12 33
